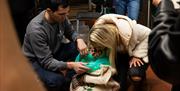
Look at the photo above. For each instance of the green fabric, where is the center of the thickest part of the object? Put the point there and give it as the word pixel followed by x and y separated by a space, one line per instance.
pixel 93 62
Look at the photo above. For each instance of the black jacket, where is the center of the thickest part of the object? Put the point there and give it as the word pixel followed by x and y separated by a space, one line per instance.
pixel 164 44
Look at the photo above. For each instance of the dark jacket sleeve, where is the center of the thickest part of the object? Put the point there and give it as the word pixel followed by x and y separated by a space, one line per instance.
pixel 164 31
pixel 164 48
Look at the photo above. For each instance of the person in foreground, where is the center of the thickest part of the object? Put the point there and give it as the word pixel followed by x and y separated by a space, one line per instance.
pixel 99 77
pixel 118 33
pixel 50 45
pixel 164 48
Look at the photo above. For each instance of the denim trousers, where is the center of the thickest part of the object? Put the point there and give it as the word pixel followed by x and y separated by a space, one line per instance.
pixel 130 8
pixel 55 81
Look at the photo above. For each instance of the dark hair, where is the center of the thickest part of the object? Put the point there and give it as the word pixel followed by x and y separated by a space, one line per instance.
pixel 53 4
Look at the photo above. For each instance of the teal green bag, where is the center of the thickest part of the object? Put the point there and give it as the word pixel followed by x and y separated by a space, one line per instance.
pixel 93 62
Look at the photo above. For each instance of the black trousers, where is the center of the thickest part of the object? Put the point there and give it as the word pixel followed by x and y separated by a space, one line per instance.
pixel 124 72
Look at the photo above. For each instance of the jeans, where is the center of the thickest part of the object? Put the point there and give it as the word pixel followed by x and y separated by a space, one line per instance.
pixel 129 7
pixel 56 81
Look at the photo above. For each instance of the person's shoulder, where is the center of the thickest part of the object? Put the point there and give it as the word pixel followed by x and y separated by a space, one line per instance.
pixel 35 27
pixel 39 19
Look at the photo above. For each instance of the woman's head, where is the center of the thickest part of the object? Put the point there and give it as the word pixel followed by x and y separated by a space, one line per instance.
pixel 102 36
pixel 105 36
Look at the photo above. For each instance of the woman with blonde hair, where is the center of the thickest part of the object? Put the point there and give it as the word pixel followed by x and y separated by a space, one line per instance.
pixel 117 33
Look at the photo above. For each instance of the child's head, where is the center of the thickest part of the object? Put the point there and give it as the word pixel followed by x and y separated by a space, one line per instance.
pixel 96 52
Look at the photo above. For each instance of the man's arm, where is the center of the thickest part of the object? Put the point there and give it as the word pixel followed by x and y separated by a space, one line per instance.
pixel 45 57
pixel 36 45
pixel 71 34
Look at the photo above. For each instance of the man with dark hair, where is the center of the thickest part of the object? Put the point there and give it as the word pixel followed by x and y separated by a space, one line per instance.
pixel 164 48
pixel 49 44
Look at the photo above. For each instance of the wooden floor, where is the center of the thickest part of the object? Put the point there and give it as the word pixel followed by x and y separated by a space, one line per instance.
pixel 154 83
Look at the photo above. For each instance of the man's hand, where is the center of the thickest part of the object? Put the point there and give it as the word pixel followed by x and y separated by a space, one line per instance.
pixel 135 62
pixel 78 67
pixel 82 47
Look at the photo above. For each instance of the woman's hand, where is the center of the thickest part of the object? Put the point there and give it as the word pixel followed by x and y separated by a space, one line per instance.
pixel 135 62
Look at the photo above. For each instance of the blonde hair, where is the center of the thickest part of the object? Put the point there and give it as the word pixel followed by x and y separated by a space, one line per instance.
pixel 105 36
